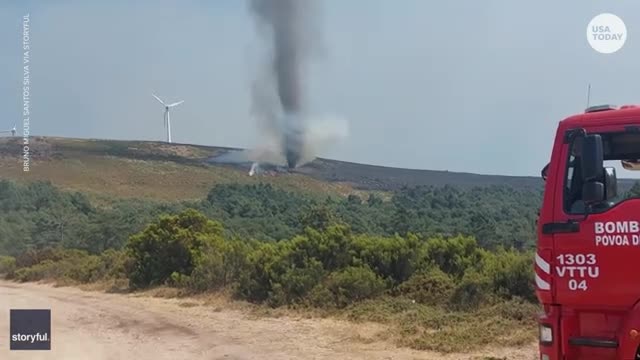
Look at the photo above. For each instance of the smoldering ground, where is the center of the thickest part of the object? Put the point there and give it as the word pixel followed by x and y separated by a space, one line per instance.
pixel 321 133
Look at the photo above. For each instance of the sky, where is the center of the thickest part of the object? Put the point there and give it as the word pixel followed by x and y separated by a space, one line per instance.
pixel 473 86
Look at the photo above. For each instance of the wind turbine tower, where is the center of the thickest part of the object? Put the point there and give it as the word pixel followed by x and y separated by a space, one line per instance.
pixel 167 118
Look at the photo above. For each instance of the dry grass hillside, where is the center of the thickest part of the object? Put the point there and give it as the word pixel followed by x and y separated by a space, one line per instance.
pixel 139 169
pixel 158 170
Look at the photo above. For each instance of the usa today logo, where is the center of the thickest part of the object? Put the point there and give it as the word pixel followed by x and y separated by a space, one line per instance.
pixel 606 33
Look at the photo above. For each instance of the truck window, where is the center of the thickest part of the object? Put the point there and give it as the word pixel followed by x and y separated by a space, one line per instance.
pixel 621 152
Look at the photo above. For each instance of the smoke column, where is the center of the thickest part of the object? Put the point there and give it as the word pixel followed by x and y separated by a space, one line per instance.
pixel 286 23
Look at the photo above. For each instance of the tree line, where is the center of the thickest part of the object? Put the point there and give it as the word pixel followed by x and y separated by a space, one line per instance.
pixel 329 266
pixel 38 215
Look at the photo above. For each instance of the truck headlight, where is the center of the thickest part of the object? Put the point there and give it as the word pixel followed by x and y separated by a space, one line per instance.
pixel 546 334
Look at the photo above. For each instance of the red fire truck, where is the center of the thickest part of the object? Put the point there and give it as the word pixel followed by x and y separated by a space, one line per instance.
pixel 586 272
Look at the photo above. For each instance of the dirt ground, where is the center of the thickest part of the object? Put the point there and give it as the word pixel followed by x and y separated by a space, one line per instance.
pixel 96 325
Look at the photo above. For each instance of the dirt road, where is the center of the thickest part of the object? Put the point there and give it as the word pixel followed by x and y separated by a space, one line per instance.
pixel 99 326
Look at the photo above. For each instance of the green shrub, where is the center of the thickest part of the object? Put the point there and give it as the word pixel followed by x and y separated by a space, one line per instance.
pixel 281 273
pixel 321 297
pixel 68 265
pixel 171 244
pixel 454 255
pixel 277 296
pixel 209 270
pixel 255 283
pixel 296 282
pixel 511 274
pixel 432 287
pixel 83 269
pixel 43 270
pixel 179 280
pixel 35 256
pixel 331 247
pixel 393 258
pixel 7 265
pixel 354 284
pixel 472 291
pixel 113 265
pixel 222 264
pixel 236 260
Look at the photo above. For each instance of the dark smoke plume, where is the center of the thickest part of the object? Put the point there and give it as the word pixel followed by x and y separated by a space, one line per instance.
pixel 287 25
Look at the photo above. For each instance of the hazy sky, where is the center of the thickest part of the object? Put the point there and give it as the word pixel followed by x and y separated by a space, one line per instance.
pixel 474 86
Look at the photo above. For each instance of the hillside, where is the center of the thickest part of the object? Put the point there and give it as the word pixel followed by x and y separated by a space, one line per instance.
pixel 157 170
pixel 371 177
pixel 180 171
pixel 138 169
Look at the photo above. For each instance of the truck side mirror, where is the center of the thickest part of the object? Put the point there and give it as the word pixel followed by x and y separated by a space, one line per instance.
pixel 593 192
pixel 598 194
pixel 545 172
pixel 592 158
pixel 593 174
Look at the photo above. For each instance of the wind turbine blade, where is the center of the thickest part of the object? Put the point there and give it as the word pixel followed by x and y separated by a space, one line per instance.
pixel 157 98
pixel 176 103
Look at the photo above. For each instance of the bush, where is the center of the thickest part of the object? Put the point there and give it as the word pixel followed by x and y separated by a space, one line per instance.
pixel 208 273
pixel 282 273
pixel 69 266
pixel 171 244
pixel 354 284
pixel 454 256
pixel 472 291
pixel 179 280
pixel 393 258
pixel 236 260
pixel 321 297
pixel 280 278
pixel 113 265
pixel 7 265
pixel 255 283
pixel 82 269
pixel 35 256
pixel 432 287
pixel 222 264
pixel 40 271
pixel 296 282
pixel 331 247
pixel 511 274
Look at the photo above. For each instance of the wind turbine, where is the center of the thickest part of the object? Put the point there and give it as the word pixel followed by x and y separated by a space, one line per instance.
pixel 167 119
pixel 12 131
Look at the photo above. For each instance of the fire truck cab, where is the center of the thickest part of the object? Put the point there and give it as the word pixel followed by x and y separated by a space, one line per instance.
pixel 587 261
